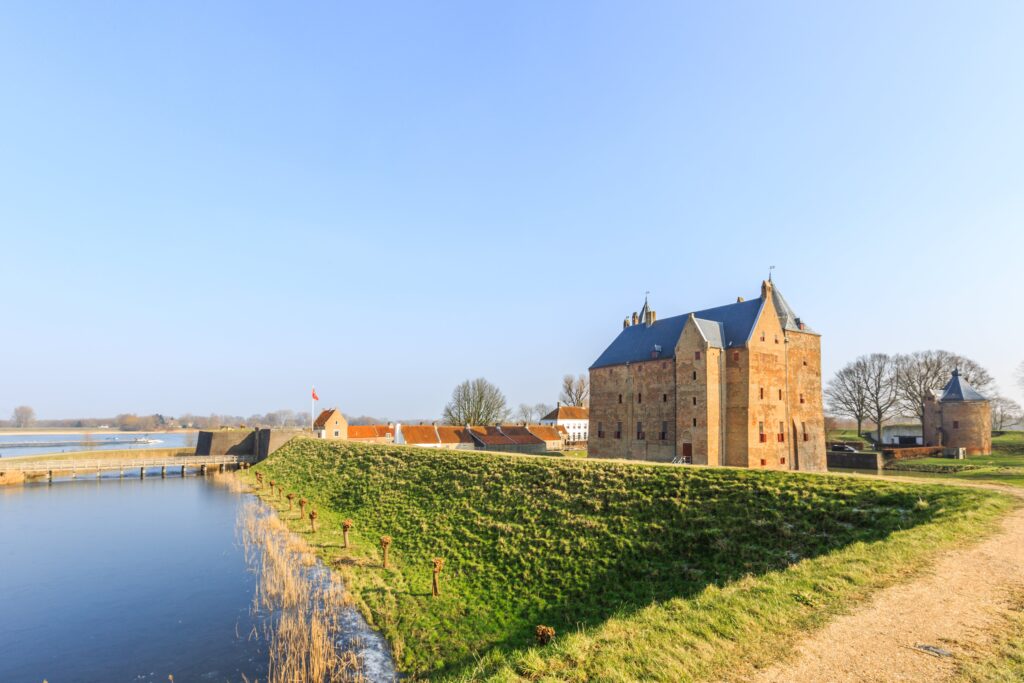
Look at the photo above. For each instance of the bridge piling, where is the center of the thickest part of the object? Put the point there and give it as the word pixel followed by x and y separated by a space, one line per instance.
pixel 49 476
pixel 202 470
pixel 142 473
pixel 163 472
pixel 182 471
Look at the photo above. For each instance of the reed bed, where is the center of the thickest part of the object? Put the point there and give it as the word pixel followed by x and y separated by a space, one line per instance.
pixel 297 603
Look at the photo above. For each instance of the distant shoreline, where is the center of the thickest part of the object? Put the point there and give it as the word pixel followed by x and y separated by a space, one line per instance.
pixel 87 430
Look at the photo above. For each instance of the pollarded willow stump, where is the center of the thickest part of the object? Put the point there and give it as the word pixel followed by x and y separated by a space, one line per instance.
pixel 312 520
pixel 346 526
pixel 436 585
pixel 385 543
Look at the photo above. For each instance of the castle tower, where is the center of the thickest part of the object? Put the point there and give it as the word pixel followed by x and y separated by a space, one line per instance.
pixel 960 418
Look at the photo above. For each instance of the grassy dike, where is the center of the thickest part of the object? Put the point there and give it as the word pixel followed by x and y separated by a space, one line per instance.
pixel 645 571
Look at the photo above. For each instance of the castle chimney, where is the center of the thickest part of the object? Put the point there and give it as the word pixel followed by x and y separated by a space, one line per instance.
pixel 739 299
pixel 625 323
pixel 635 318
pixel 654 317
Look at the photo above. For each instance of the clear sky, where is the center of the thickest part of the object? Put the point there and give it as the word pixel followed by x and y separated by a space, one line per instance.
pixel 210 207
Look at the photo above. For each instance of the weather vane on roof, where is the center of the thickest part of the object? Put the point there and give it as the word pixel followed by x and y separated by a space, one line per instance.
pixel 770 269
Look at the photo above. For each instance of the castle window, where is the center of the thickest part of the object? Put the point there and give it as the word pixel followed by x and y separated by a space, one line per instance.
pixel 762 437
pixel 618 430
pixel 762 392
pixel 780 394
pixel 337 433
pixel 782 432
pixel 782 461
pixel 600 430
pixel 694 375
pixel 762 336
pixel 639 430
pixel 736 356
pixel 694 422
pixel 801 398
pixel 620 398
pixel 664 398
pixel 803 428
pixel 696 355
pixel 805 362
pixel 639 398
pixel 956 424
pixel 776 339
pixel 694 400
pixel 763 462
pixel 664 431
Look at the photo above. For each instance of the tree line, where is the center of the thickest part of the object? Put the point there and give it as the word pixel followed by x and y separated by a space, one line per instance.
pixel 24 417
pixel 478 402
pixel 880 387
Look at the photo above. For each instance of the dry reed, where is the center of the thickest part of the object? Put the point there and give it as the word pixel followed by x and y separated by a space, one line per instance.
pixel 299 602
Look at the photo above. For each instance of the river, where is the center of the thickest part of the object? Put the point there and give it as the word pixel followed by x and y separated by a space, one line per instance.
pixel 131 580
pixel 13 444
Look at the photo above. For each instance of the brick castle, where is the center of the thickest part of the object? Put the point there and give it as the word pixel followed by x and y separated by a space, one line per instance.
pixel 736 385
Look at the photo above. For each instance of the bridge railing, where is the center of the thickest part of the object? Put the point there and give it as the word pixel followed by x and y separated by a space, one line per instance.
pixel 15 465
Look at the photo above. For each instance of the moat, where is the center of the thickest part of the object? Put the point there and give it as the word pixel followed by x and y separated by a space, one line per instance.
pixel 130 580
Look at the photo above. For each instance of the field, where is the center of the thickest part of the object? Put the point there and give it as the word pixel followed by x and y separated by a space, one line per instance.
pixel 645 571
pixel 1005 465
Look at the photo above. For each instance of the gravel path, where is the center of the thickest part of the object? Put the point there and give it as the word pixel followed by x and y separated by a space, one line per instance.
pixel 956 606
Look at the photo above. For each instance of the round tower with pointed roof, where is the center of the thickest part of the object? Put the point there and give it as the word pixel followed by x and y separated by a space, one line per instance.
pixel 960 417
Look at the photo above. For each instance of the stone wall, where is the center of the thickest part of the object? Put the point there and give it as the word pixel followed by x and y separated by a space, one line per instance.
pixel 257 442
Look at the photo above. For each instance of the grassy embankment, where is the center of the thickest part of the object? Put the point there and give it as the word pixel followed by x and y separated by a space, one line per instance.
pixel 1005 465
pixel 646 571
pixel 107 454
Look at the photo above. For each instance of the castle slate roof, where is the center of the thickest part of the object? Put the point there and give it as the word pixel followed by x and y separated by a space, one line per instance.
pixel 959 389
pixel 724 326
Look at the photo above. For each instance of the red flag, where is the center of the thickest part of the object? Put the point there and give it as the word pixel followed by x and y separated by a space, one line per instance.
pixel 315 397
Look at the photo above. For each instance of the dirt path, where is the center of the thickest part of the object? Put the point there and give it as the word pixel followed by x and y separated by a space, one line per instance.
pixel 956 606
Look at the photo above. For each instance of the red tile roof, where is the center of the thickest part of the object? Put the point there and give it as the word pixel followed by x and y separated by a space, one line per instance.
pixel 546 432
pixel 419 434
pixel 453 434
pixel 490 436
pixel 568 413
pixel 370 431
pixel 519 435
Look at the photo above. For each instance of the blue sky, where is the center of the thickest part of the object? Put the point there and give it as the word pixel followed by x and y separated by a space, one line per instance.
pixel 212 206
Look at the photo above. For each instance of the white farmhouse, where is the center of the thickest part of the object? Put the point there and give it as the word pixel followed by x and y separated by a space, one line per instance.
pixel 575 420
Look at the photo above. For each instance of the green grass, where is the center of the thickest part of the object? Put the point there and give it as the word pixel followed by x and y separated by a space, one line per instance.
pixel 108 454
pixel 1005 465
pixel 646 571
pixel 850 436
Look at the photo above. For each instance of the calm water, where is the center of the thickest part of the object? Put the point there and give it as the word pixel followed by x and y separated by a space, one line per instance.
pixel 123 581
pixel 99 440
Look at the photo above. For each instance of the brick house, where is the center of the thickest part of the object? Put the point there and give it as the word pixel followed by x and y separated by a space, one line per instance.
pixel 331 424
pixel 736 385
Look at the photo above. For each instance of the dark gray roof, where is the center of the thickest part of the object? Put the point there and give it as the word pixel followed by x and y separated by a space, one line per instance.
pixel 635 343
pixel 959 389
pixel 787 317
pixel 713 331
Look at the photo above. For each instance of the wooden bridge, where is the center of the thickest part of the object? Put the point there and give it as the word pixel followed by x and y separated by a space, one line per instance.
pixel 78 467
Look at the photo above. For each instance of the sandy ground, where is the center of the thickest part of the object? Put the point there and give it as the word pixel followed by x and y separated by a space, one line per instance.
pixel 957 606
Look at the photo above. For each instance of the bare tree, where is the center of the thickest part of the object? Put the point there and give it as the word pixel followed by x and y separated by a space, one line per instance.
pixel 1020 376
pixel 1006 413
pixel 23 416
pixel 476 402
pixel 575 391
pixel 846 394
pixel 541 410
pixel 525 413
pixel 880 375
pixel 922 372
